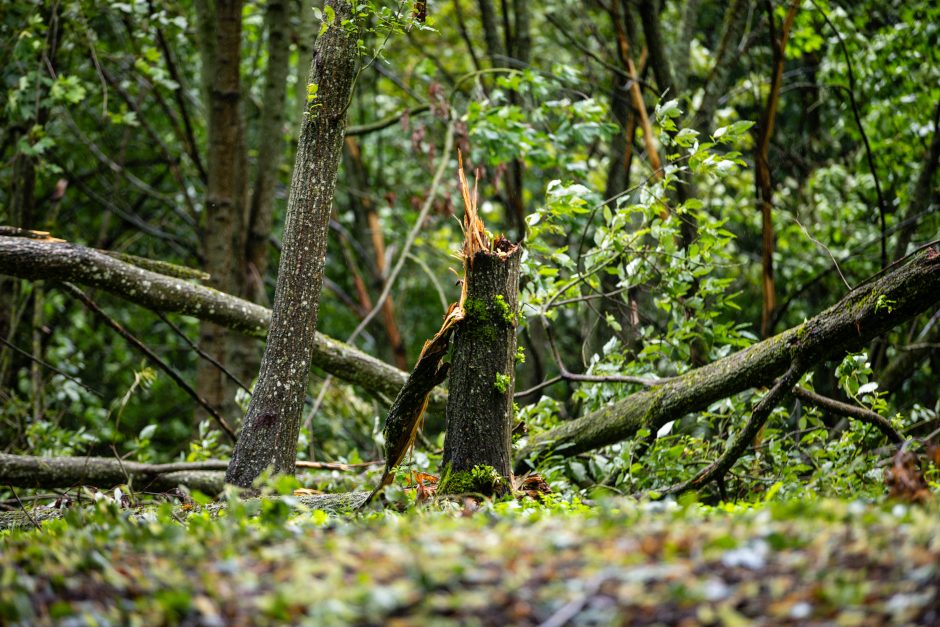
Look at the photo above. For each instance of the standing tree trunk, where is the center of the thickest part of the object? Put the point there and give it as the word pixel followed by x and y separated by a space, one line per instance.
pixel 270 147
pixel 244 353
pixel 513 198
pixel 220 24
pixel 482 372
pixel 269 435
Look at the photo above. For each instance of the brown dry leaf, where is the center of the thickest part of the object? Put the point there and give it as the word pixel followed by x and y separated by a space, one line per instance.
pixel 423 478
pixel 532 485
pixel 425 492
pixel 905 480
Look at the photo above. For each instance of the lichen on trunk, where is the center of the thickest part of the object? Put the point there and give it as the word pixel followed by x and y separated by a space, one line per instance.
pixel 272 422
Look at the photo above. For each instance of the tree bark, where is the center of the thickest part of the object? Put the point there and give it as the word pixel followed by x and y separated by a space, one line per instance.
pixel 716 86
pixel 27 258
pixel 865 313
pixel 482 373
pixel 659 57
pixel 920 198
pixel 272 423
pixel 906 362
pixel 52 473
pixel 333 503
pixel 499 57
pixel 725 60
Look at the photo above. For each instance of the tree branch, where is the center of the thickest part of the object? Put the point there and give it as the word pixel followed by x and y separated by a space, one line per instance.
pixel 26 471
pixel 152 356
pixel 851 411
pixel 865 313
pixel 31 259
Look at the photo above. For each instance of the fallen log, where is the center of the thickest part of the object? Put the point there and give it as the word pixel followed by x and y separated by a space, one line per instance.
pixel 26 471
pixel 32 259
pixel 870 310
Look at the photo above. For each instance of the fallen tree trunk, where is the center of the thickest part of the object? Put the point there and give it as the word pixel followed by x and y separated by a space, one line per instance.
pixel 33 259
pixel 867 312
pixel 26 471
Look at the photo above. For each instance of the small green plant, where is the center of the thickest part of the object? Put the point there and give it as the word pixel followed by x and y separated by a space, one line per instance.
pixel 502 382
pixel 885 303
pixel 520 354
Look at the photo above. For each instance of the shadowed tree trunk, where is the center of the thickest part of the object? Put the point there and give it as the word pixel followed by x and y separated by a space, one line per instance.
pixel 220 24
pixel 499 56
pixel 243 353
pixel 272 423
pixel 762 172
pixel 270 147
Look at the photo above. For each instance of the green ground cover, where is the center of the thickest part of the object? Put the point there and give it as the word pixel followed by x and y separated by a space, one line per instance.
pixel 511 562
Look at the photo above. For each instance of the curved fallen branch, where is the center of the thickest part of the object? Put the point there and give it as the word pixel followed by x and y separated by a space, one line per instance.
pixel 867 312
pixel 717 469
pixel 152 356
pixel 33 259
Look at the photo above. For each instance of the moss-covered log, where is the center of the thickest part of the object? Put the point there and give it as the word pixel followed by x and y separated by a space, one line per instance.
pixel 25 471
pixel 32 259
pixel 867 312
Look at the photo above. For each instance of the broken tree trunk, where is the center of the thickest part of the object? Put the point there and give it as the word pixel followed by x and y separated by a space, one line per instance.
pixel 868 311
pixel 272 423
pixel 482 373
pixel 31 258
pixel 404 417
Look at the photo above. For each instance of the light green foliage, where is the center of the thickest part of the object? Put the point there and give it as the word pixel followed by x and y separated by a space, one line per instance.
pixel 502 382
pixel 373 568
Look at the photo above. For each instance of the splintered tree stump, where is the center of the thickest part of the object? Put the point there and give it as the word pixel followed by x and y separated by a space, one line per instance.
pixel 477 448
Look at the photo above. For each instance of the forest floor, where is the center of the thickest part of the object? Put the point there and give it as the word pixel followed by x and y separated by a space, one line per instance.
pixel 832 562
